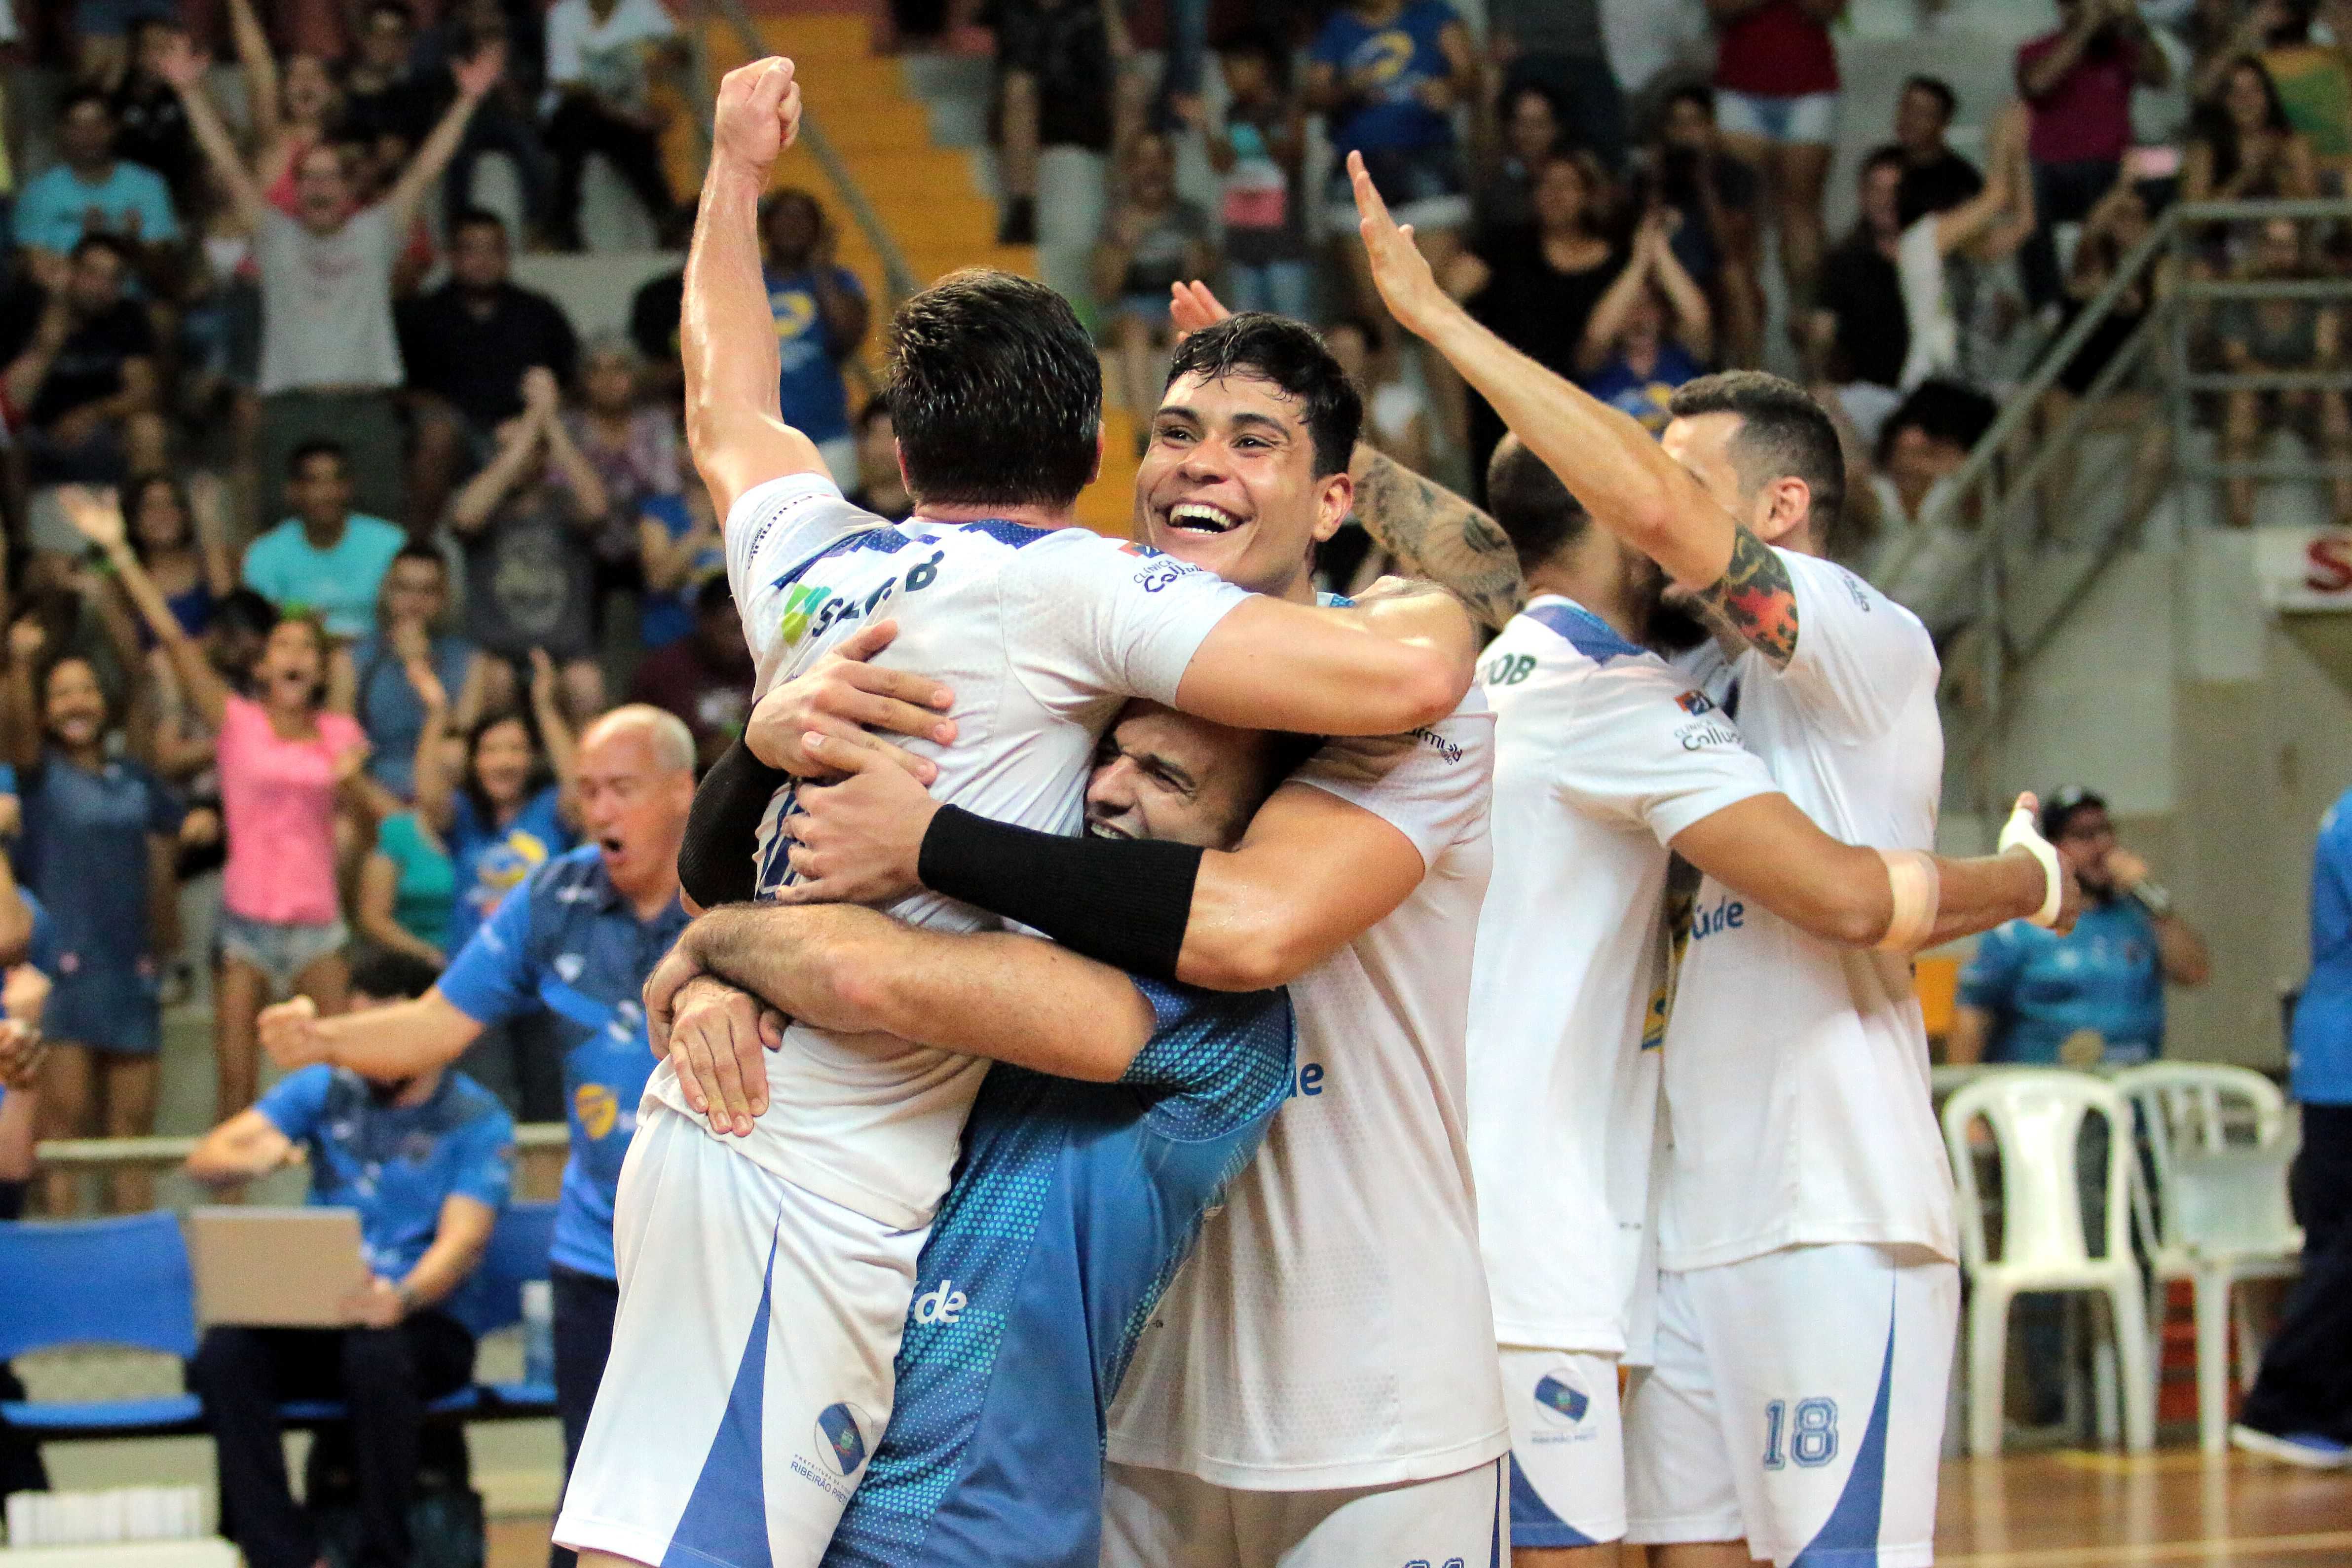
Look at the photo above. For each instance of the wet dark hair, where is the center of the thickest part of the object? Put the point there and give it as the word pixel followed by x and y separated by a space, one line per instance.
pixel 1783 434
pixel 392 976
pixel 1292 357
pixel 1533 509
pixel 996 393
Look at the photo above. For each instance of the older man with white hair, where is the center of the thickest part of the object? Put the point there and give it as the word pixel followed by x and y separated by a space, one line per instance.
pixel 577 939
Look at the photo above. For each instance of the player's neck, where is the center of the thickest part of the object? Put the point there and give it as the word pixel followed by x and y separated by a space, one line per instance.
pixel 1026 516
pixel 1593 579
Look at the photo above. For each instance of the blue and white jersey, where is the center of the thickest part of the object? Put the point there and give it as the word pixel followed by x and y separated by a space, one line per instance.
pixel 1041 636
pixel 1072 1207
pixel 397 1165
pixel 568 943
pixel 1602 753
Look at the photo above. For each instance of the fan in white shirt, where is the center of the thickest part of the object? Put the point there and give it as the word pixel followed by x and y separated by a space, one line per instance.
pixel 1606 756
pixel 1806 1219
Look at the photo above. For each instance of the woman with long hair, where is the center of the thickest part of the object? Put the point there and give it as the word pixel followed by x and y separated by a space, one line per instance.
pixel 100 838
pixel 285 759
pixel 506 807
pixel 180 537
pixel 2240 146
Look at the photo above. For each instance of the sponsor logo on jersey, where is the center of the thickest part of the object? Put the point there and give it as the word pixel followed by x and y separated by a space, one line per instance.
pixel 1450 749
pixel 1556 1393
pixel 567 966
pixel 1694 703
pixel 942 1303
pixel 1724 914
pixel 1706 732
pixel 838 1436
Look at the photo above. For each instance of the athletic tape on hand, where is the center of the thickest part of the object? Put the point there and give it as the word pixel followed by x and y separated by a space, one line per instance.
pixel 2022 831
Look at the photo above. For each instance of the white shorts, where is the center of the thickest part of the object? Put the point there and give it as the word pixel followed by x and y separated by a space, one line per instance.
pixel 1808 117
pixel 1165 1519
pixel 1568 1447
pixel 1798 1402
pixel 751 1374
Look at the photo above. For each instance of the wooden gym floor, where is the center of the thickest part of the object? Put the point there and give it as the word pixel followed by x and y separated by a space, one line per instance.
pixel 2054 1509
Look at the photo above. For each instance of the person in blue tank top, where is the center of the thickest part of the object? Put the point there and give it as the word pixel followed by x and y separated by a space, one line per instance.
pixel 573 943
pixel 1088 1167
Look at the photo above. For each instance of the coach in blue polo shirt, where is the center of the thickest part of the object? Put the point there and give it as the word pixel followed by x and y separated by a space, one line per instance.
pixel 2096 995
pixel 576 940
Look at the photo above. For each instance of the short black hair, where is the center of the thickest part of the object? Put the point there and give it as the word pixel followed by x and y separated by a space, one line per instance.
pixel 76 97
pixel 1783 434
pixel 1939 89
pixel 1533 509
pixel 476 217
pixel 388 976
pixel 1293 358
pixel 417 550
pixel 1878 157
pixel 995 392
pixel 243 609
pixel 1946 410
pixel 99 239
pixel 318 446
pixel 2063 802
pixel 1267 45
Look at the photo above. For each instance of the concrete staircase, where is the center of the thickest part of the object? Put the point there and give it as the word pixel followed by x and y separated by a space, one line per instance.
pixel 909 151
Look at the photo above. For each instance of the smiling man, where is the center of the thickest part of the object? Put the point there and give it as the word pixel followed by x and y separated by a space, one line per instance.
pixel 576 940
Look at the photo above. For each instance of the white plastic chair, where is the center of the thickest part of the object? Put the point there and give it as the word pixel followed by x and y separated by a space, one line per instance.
pixel 2220 1213
pixel 2036 1114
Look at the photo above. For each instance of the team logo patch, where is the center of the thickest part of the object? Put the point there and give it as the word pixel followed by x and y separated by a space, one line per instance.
pixel 1556 1395
pixel 598 1110
pixel 837 1434
pixel 1695 702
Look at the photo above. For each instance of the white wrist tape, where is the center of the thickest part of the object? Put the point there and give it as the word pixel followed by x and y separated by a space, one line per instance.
pixel 2022 831
pixel 1917 888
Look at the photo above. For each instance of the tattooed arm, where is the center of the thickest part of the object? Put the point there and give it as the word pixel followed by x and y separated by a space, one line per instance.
pixel 1609 462
pixel 1437 534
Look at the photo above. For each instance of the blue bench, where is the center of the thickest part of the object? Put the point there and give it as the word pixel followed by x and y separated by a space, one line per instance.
pixel 126 1282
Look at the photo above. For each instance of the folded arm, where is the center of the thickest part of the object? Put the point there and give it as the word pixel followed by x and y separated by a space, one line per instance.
pixel 1393 664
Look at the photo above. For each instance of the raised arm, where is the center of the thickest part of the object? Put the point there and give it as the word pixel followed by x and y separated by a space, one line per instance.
pixel 473 507
pixel 183 67
pixel 1609 462
pixel 475 78
pixel 96 516
pixel 257 63
pixel 726 337
pixel 554 730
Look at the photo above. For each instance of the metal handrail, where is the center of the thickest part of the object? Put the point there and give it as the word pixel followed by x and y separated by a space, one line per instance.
pixel 899 279
pixel 86 1154
pixel 1979 507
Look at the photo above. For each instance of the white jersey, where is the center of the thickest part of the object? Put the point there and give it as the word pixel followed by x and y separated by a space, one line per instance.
pixel 1331 1327
pixel 1042 636
pixel 1602 753
pixel 1796 1072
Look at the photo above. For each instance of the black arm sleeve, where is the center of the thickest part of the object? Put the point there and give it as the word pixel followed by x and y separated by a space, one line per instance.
pixel 714 863
pixel 1123 900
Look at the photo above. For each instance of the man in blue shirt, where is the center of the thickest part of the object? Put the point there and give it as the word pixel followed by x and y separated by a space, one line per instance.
pixel 575 940
pixel 427 1161
pixel 2095 994
pixel 91 191
pixel 1077 1195
pixel 2301 1406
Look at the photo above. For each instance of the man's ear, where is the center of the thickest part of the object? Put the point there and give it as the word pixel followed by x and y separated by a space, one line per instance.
pixel 1335 504
pixel 1784 510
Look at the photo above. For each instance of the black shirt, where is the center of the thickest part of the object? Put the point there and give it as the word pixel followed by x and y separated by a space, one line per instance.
pixel 1860 288
pixel 1937 187
pixel 477 360
pixel 1534 307
pixel 89 368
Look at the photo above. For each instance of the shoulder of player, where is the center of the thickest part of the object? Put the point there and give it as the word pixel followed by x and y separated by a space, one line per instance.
pixel 1824 587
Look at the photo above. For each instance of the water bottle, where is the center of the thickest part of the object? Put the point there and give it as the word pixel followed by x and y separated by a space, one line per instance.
pixel 539 1332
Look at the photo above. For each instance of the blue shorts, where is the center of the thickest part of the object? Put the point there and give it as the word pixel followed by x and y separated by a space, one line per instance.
pixel 105 1003
pixel 280 949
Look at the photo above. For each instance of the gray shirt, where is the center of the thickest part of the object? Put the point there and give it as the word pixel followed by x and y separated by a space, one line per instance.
pixel 326 303
pixel 1549 27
